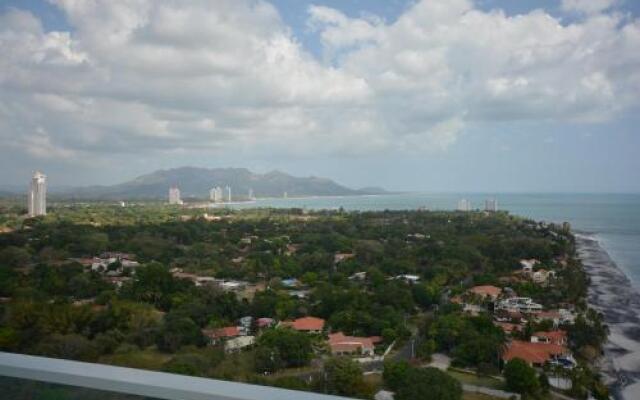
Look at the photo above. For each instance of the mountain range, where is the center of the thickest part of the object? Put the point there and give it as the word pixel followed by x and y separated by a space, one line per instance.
pixel 196 183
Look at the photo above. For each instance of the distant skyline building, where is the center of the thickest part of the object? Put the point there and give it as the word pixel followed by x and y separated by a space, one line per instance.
pixel 491 205
pixel 229 194
pixel 251 196
pixel 215 194
pixel 464 205
pixel 37 201
pixel 174 196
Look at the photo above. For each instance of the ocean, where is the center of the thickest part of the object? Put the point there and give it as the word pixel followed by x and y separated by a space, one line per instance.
pixel 608 232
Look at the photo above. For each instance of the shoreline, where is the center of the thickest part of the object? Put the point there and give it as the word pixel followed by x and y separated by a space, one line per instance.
pixel 612 293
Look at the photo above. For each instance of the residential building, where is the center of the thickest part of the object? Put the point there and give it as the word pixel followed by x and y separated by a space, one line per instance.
pixel 558 317
pixel 557 337
pixel 341 345
pixel 37 199
pixel 473 309
pixel 215 194
pixel 488 292
pixel 408 278
pixel 174 196
pixel 216 335
pixel 238 343
pixel 340 257
pixel 534 354
pixel 232 285
pixel 358 276
pixel 306 324
pixel 265 322
pixel 521 304
pixel 542 276
pixel 290 283
pixel 527 266
pixel 491 205
pixel 246 322
pixel 464 205
pixel 229 194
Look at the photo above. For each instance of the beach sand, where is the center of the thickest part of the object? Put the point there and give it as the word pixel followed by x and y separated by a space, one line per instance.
pixel 613 295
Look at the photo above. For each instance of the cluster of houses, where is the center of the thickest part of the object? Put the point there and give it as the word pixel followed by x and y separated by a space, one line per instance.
pixel 115 267
pixel 511 313
pixel 200 280
pixel 235 338
pixel 530 271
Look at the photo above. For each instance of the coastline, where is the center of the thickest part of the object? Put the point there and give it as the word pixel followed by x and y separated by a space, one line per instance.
pixel 612 293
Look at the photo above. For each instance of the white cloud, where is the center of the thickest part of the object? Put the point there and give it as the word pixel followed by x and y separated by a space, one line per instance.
pixel 143 76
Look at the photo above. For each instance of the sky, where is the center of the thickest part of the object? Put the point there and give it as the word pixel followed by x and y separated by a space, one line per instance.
pixel 424 95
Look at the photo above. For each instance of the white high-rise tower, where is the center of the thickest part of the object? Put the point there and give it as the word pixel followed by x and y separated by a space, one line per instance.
pixel 491 205
pixel 215 194
pixel 464 205
pixel 229 194
pixel 174 195
pixel 38 195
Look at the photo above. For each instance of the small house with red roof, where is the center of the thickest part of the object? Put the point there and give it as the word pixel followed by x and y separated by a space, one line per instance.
pixel 534 354
pixel 341 344
pixel 220 334
pixel 486 292
pixel 306 324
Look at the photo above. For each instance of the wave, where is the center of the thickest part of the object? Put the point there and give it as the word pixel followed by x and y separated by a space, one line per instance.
pixel 612 293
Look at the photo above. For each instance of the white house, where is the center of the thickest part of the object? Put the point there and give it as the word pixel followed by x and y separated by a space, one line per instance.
pixel 522 304
pixel 238 343
pixel 527 265
pixel 408 278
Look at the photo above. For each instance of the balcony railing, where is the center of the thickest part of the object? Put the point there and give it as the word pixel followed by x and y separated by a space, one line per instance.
pixel 150 384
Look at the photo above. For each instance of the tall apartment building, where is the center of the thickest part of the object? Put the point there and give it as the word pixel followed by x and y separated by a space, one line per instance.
pixel 491 205
pixel 215 194
pixel 464 205
pixel 37 199
pixel 174 195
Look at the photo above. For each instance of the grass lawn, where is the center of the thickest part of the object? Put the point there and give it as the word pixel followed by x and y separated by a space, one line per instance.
pixel 476 380
pixel 144 359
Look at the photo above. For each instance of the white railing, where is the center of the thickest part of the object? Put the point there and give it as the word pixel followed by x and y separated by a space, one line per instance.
pixel 159 385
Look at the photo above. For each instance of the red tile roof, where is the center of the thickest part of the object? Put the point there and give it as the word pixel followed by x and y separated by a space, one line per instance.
pixel 533 353
pixel 226 332
pixel 306 324
pixel 339 342
pixel 486 290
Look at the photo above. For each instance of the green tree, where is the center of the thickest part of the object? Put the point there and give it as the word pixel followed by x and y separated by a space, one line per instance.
pixel 73 347
pixel 187 364
pixel 521 378
pixel 14 257
pixel 343 376
pixel 395 374
pixel 178 331
pixel 292 347
pixel 429 384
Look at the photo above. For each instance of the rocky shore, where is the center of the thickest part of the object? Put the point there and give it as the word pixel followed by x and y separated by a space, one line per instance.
pixel 612 294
